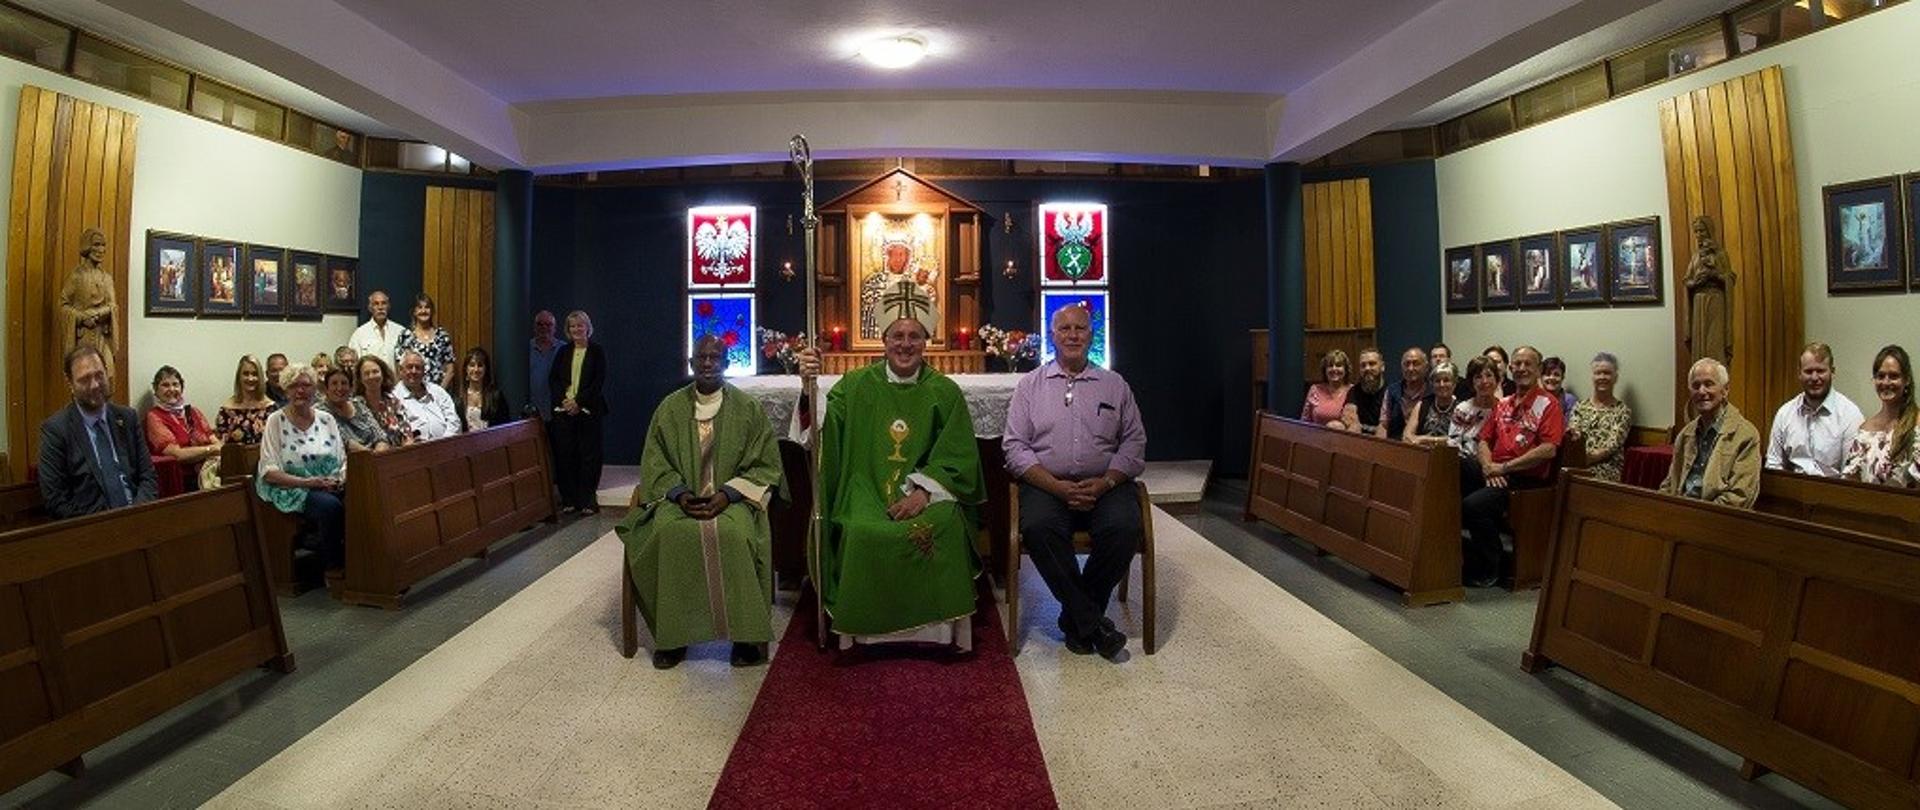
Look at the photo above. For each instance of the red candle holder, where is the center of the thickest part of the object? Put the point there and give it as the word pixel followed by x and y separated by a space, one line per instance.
pixel 837 339
pixel 963 340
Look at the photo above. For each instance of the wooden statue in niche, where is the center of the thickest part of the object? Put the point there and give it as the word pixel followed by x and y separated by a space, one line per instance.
pixel 1709 277
pixel 88 308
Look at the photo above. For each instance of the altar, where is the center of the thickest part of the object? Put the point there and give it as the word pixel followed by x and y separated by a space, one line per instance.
pixel 987 397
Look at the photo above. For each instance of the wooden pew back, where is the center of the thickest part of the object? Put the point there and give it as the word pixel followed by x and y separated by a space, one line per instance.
pixel 414 510
pixel 1389 507
pixel 1786 641
pixel 278 530
pixel 109 620
pixel 21 506
pixel 1865 508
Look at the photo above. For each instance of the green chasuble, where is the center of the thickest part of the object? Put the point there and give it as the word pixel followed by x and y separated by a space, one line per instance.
pixel 879 575
pixel 700 580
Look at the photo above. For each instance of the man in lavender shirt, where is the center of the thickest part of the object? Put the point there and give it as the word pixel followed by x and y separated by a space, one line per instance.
pixel 1074 440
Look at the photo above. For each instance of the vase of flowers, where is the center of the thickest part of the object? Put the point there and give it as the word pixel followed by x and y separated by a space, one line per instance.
pixel 779 348
pixel 1009 350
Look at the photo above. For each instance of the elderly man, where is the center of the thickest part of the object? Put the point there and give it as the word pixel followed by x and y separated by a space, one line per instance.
pixel 699 544
pixel 1717 455
pixel 899 482
pixel 1074 440
pixel 1404 395
pixel 429 407
pixel 1810 431
pixel 541 349
pixel 1366 400
pixel 1516 449
pixel 276 363
pixel 93 453
pixel 378 336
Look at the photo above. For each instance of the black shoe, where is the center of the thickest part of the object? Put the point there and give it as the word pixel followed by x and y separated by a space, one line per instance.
pixel 1075 644
pixel 747 655
pixel 589 510
pixel 1110 643
pixel 668 659
pixel 1481 582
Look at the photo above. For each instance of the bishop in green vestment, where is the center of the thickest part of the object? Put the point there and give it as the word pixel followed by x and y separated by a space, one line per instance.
pixel 699 544
pixel 900 483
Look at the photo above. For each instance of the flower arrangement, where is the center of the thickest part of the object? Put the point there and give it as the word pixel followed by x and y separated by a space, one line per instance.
pixel 778 347
pixel 991 337
pixel 1015 347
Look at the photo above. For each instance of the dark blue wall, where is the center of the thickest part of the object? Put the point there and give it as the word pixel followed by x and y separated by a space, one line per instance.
pixel 1406 253
pixel 393 214
pixel 1189 264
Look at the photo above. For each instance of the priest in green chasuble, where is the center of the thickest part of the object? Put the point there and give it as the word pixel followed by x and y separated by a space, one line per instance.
pixel 899 485
pixel 699 544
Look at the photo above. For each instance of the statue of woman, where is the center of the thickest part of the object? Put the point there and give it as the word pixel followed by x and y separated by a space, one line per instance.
pixel 1709 334
pixel 87 304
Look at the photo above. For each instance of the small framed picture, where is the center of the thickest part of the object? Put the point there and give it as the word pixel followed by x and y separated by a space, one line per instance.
pixel 266 272
pixel 1497 278
pixel 343 278
pixel 1866 251
pixel 222 284
pixel 1910 194
pixel 1536 266
pixel 303 285
pixel 1633 252
pixel 1583 268
pixel 173 262
pixel 1462 279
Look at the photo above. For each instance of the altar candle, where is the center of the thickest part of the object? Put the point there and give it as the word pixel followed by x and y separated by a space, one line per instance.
pixel 839 339
pixel 966 339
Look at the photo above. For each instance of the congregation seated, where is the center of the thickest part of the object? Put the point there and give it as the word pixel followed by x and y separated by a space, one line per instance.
pixel 1327 400
pixel 699 544
pixel 1404 394
pixel 478 398
pixel 1442 353
pixel 303 465
pixel 93 453
pixel 1553 377
pixel 373 390
pixel 276 363
pixel 1073 452
pixel 1602 422
pixel 243 417
pixel 344 357
pixel 1811 431
pixel 1516 448
pixel 1432 418
pixel 358 428
pixel 1717 455
pixel 178 430
pixel 1502 367
pixel 1367 399
pixel 321 363
pixel 1884 450
pixel 900 479
pixel 429 407
pixel 1470 416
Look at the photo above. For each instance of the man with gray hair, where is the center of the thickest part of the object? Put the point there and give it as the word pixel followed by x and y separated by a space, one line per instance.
pixel 1717 456
pixel 1516 449
pixel 429 407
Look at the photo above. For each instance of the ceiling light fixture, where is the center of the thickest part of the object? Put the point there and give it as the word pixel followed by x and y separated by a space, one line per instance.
pixel 894 53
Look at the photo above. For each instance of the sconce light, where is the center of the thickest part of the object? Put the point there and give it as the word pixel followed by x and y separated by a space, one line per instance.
pixel 786 271
pixel 1010 272
pixel 1006 222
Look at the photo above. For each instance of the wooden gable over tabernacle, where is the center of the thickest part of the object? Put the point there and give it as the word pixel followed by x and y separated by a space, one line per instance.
pixel 898 192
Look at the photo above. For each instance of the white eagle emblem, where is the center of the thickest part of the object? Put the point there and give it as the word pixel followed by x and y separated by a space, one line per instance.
pixel 721 244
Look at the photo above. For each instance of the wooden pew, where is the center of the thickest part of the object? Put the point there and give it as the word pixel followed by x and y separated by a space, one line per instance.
pixel 109 620
pixel 1389 507
pixel 21 506
pixel 1865 508
pixel 414 510
pixel 1786 641
pixel 279 531
pixel 1530 517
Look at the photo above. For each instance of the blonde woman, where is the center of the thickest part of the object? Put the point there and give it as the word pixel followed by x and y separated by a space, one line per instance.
pixel 242 419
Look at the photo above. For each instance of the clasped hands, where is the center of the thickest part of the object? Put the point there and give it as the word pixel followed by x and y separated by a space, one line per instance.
pixel 703 507
pixel 911 506
pixel 331 483
pixel 1082 495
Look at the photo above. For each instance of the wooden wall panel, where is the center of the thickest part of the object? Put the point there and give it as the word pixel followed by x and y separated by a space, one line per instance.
pixel 1729 157
pixel 72 170
pixel 1339 254
pixel 457 264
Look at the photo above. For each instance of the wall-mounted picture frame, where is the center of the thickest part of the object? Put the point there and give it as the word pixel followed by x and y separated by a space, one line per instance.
pixel 223 283
pixel 1535 258
pixel 342 275
pixel 305 277
pixel 1497 277
pixel 173 279
pixel 1582 271
pixel 1635 272
pixel 1460 277
pixel 266 274
pixel 1866 245
pixel 1910 196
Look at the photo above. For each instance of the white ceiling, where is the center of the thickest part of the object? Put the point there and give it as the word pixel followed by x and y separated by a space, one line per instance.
pixel 522 51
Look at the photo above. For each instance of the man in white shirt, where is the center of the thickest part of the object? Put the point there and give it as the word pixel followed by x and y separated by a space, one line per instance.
pixel 1810 432
pixel 429 407
pixel 378 336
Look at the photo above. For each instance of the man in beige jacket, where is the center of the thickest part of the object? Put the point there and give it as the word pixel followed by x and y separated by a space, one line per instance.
pixel 1717 455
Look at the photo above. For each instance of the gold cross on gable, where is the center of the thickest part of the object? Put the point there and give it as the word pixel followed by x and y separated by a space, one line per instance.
pixel 899 188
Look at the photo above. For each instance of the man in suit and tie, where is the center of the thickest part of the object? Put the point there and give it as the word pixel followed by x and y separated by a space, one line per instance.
pixel 93 454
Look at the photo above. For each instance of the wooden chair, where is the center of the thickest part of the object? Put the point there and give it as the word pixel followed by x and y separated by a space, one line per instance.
pixel 1083 543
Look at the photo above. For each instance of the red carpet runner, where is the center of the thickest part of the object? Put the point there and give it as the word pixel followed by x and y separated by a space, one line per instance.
pixel 884 729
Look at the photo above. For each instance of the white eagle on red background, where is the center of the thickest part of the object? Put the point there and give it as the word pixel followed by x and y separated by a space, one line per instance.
pixel 721 245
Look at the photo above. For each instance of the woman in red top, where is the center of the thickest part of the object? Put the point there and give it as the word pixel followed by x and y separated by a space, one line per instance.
pixel 177 429
pixel 1327 400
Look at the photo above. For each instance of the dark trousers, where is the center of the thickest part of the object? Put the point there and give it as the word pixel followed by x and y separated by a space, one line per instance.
pixel 1046 529
pixel 326 513
pixel 576 455
pixel 1483 513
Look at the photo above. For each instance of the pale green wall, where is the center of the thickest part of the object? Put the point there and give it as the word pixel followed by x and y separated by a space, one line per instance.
pixel 198 177
pixel 1853 103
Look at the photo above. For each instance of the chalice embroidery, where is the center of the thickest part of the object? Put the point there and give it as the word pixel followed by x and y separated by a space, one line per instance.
pixel 899 432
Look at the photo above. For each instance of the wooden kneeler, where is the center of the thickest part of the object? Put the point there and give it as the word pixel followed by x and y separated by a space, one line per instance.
pixel 1082 544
